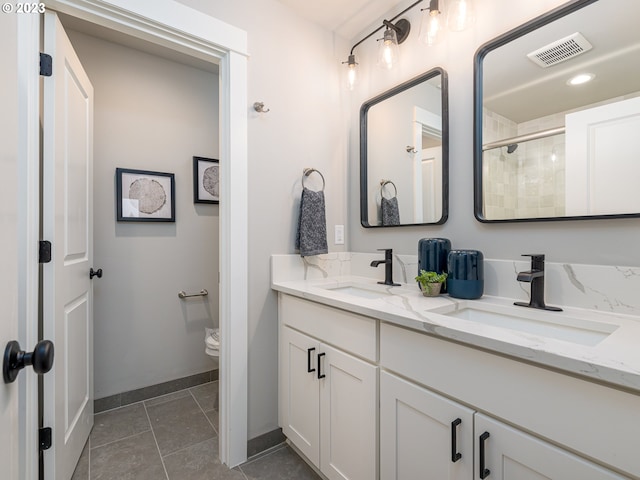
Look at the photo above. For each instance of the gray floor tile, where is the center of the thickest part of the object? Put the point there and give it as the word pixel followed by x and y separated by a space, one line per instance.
pixel 134 458
pixel 122 445
pixel 206 396
pixel 82 468
pixel 178 424
pixel 200 462
pixel 214 418
pixel 283 464
pixel 118 424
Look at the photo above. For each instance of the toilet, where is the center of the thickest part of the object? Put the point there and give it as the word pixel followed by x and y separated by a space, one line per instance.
pixel 212 342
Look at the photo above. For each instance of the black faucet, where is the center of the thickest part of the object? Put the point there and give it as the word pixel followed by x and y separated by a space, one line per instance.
pixel 535 277
pixel 388 267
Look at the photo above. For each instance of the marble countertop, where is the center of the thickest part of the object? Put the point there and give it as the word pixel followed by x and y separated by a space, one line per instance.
pixel 611 356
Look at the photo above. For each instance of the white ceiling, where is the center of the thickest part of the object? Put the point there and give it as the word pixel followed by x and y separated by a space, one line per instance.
pixel 520 90
pixel 347 18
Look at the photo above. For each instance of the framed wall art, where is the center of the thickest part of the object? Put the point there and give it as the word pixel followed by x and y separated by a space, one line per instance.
pixel 206 180
pixel 144 196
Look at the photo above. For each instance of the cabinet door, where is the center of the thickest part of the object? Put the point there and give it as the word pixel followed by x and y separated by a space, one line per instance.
pixel 347 416
pixel 299 392
pixel 423 436
pixel 510 454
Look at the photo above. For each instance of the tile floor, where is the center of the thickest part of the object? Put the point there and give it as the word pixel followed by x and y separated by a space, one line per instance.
pixel 174 437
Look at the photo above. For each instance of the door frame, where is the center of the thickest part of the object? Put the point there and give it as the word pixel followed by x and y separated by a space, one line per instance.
pixel 28 40
pixel 194 33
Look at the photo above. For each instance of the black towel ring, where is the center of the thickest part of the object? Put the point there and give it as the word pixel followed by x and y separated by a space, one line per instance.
pixel 385 182
pixel 308 171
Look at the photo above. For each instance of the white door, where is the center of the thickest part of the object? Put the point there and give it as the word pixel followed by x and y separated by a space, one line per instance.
pixel 511 454
pixel 348 406
pixel 67 223
pixel 602 168
pixel 422 435
pixel 299 392
pixel 8 241
pixel 431 184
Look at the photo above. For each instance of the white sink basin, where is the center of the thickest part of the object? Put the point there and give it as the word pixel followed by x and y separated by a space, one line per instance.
pixel 557 325
pixel 361 290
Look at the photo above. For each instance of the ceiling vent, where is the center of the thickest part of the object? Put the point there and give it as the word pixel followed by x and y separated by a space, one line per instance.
pixel 560 50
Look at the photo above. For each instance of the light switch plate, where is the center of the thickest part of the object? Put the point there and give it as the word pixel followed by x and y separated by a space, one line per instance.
pixel 339 235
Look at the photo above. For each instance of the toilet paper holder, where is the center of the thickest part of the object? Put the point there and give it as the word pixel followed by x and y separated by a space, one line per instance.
pixel 201 293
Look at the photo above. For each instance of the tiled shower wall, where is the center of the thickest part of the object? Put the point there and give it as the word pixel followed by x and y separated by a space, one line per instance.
pixel 529 182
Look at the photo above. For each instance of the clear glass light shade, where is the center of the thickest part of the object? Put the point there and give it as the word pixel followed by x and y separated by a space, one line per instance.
pixel 352 72
pixel 461 15
pixel 388 51
pixel 430 26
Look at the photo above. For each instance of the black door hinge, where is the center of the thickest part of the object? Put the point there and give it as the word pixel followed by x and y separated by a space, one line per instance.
pixel 46 68
pixel 45 438
pixel 44 253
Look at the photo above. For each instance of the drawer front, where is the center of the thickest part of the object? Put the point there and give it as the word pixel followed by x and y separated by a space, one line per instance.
pixel 594 420
pixel 348 331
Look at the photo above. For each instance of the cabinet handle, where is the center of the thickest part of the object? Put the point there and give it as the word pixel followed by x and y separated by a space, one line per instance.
pixel 309 369
pixel 320 375
pixel 484 472
pixel 455 455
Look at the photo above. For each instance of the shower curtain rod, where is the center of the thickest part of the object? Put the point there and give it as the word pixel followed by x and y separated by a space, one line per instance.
pixel 524 138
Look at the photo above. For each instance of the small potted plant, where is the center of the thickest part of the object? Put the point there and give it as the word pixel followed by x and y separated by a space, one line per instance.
pixel 431 282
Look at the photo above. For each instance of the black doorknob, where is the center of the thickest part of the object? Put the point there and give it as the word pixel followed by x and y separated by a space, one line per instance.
pixel 15 359
pixel 95 273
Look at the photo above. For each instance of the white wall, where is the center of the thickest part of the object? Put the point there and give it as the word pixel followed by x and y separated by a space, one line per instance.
pixel 603 242
pixel 150 114
pixel 293 69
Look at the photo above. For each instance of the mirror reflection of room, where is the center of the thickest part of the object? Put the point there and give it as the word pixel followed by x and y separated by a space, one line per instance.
pixel 404 156
pixel 560 116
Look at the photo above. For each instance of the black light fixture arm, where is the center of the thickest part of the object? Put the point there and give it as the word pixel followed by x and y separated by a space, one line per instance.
pixel 387 24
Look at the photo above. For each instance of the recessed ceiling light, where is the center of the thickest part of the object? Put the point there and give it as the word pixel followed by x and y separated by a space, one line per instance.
pixel 581 78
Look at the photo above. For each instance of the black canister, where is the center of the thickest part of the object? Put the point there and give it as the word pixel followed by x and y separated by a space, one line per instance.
pixel 466 274
pixel 432 256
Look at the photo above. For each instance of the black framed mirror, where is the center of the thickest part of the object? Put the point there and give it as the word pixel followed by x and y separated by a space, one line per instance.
pixel 404 154
pixel 546 146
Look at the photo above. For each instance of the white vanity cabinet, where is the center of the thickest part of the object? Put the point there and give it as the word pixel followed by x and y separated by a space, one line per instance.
pixel 422 435
pixel 328 395
pixel 426 436
pixel 369 399
pixel 550 405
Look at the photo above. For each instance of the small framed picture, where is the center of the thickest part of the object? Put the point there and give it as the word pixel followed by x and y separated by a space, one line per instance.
pixel 206 180
pixel 143 196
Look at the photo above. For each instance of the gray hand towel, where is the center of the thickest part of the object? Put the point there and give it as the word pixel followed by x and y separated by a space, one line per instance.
pixel 312 225
pixel 390 211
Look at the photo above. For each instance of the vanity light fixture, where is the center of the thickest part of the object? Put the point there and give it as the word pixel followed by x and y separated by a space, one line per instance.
pixel 459 16
pixel 352 71
pixel 431 23
pixel 580 79
pixel 388 50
